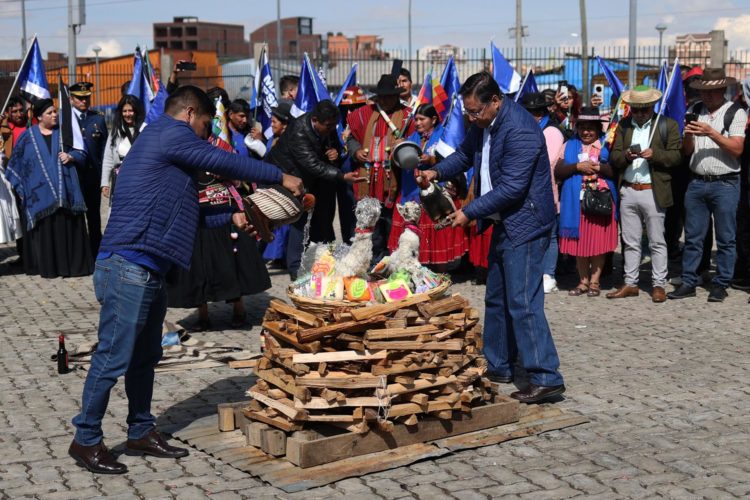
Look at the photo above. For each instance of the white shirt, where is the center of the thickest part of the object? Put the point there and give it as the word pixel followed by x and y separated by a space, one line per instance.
pixel 638 172
pixel 484 171
pixel 708 158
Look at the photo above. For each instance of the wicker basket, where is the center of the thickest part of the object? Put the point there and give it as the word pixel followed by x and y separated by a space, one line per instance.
pixel 325 308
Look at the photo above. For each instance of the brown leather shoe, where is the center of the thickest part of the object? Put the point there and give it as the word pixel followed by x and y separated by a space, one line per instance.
pixel 96 459
pixel 155 445
pixel 623 292
pixel 537 393
pixel 658 294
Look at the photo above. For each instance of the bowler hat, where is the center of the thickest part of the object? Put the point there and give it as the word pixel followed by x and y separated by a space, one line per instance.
pixel 589 114
pixel 711 79
pixel 534 100
pixel 283 110
pixel 406 155
pixel 387 85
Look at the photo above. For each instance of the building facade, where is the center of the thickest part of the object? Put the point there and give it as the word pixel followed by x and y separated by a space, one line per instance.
pixel 297 37
pixel 189 33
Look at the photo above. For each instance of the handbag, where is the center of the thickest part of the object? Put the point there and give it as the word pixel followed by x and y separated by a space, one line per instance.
pixel 596 202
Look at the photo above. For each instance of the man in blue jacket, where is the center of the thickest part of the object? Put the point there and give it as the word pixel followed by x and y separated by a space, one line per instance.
pixel 152 227
pixel 509 155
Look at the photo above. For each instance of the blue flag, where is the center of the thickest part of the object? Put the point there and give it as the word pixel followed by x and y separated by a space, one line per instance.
pixel 350 81
pixel 311 89
pixel 673 100
pixel 528 86
pixel 661 83
pixel 453 123
pixel 266 97
pixel 506 77
pixel 32 78
pixel 614 83
pixel 157 105
pixel 140 85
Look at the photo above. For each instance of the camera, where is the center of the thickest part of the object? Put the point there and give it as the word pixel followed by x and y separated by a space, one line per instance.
pixel 599 90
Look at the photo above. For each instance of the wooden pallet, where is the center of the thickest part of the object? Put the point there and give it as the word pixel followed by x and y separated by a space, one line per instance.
pixel 364 453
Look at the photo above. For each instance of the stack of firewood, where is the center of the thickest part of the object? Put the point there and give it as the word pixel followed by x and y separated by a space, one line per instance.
pixel 369 366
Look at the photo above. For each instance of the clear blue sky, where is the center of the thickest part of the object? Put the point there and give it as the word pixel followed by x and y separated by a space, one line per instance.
pixel 118 25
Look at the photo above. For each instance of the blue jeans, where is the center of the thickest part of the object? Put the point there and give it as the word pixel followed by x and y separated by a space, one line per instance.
pixel 549 264
pixel 514 323
pixel 703 199
pixel 133 305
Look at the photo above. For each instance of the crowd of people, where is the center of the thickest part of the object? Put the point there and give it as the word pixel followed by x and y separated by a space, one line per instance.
pixel 651 181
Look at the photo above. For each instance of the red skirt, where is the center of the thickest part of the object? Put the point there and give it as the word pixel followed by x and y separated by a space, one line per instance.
pixel 597 235
pixel 479 246
pixel 437 247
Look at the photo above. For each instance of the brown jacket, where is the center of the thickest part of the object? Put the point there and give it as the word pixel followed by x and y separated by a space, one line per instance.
pixel 665 157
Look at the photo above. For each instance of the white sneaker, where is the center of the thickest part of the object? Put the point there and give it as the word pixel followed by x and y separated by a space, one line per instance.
pixel 550 284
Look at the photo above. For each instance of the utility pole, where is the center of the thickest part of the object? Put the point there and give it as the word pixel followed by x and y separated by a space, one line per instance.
pixel 76 18
pixel 584 52
pixel 278 29
pixel 409 31
pixel 631 45
pixel 519 37
pixel 23 28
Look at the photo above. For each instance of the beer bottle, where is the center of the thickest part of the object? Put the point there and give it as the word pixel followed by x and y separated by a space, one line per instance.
pixel 62 356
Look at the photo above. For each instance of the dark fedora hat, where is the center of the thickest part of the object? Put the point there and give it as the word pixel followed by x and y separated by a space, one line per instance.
pixel 713 78
pixel 534 100
pixel 406 155
pixel 283 110
pixel 388 85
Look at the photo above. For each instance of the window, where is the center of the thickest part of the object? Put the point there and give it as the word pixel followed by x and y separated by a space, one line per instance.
pixel 175 31
pixel 304 26
pixel 160 32
pixel 161 45
pixel 191 45
pixel 191 31
pixel 175 44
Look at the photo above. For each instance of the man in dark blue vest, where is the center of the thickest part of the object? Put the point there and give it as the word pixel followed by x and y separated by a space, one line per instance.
pixel 514 194
pixel 94 131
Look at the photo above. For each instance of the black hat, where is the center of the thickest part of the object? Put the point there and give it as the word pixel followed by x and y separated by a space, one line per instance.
pixel 81 89
pixel 41 106
pixel 388 85
pixel 283 110
pixel 534 100
pixel 711 79
pixel 589 114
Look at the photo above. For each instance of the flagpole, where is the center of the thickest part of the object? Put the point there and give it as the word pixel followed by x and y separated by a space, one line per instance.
pixel 257 83
pixel 18 73
pixel 664 97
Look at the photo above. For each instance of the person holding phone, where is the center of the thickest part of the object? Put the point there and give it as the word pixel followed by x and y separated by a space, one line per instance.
pixel 714 142
pixel 645 151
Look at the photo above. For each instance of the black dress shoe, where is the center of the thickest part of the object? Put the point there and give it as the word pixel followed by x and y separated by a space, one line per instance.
pixel 538 393
pixel 96 459
pixel 717 294
pixel 154 444
pixel 741 284
pixel 500 379
pixel 683 291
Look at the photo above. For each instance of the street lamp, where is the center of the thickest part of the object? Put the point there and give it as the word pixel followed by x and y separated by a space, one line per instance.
pixel 96 50
pixel 661 27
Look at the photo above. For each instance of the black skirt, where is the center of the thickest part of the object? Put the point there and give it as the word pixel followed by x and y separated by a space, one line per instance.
pixel 217 272
pixel 58 246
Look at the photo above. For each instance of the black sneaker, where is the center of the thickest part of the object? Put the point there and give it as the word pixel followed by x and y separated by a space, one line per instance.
pixel 683 291
pixel 717 294
pixel 741 284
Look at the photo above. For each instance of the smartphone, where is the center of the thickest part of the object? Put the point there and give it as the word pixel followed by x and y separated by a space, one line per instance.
pixel 690 117
pixel 187 66
pixel 599 90
pixel 562 85
pixel 635 149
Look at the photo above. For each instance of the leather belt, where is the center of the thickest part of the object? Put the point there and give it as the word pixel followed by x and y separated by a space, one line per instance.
pixel 713 178
pixel 637 185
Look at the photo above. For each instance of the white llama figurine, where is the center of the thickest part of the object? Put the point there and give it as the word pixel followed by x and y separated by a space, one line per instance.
pixel 357 261
pixel 406 256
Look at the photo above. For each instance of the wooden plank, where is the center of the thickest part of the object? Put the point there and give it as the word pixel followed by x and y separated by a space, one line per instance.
pixel 303 317
pixel 278 404
pixel 243 363
pixel 364 313
pixel 409 345
pixel 275 329
pixel 313 334
pixel 321 403
pixel 396 333
pixel 339 380
pixel 334 448
pixel 272 378
pixel 333 357
pixel 226 416
pixel 295 479
pixel 279 423
pixel 273 442
pixel 443 306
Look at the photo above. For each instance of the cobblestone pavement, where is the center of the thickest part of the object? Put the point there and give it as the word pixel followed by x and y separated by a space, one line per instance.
pixel 666 387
